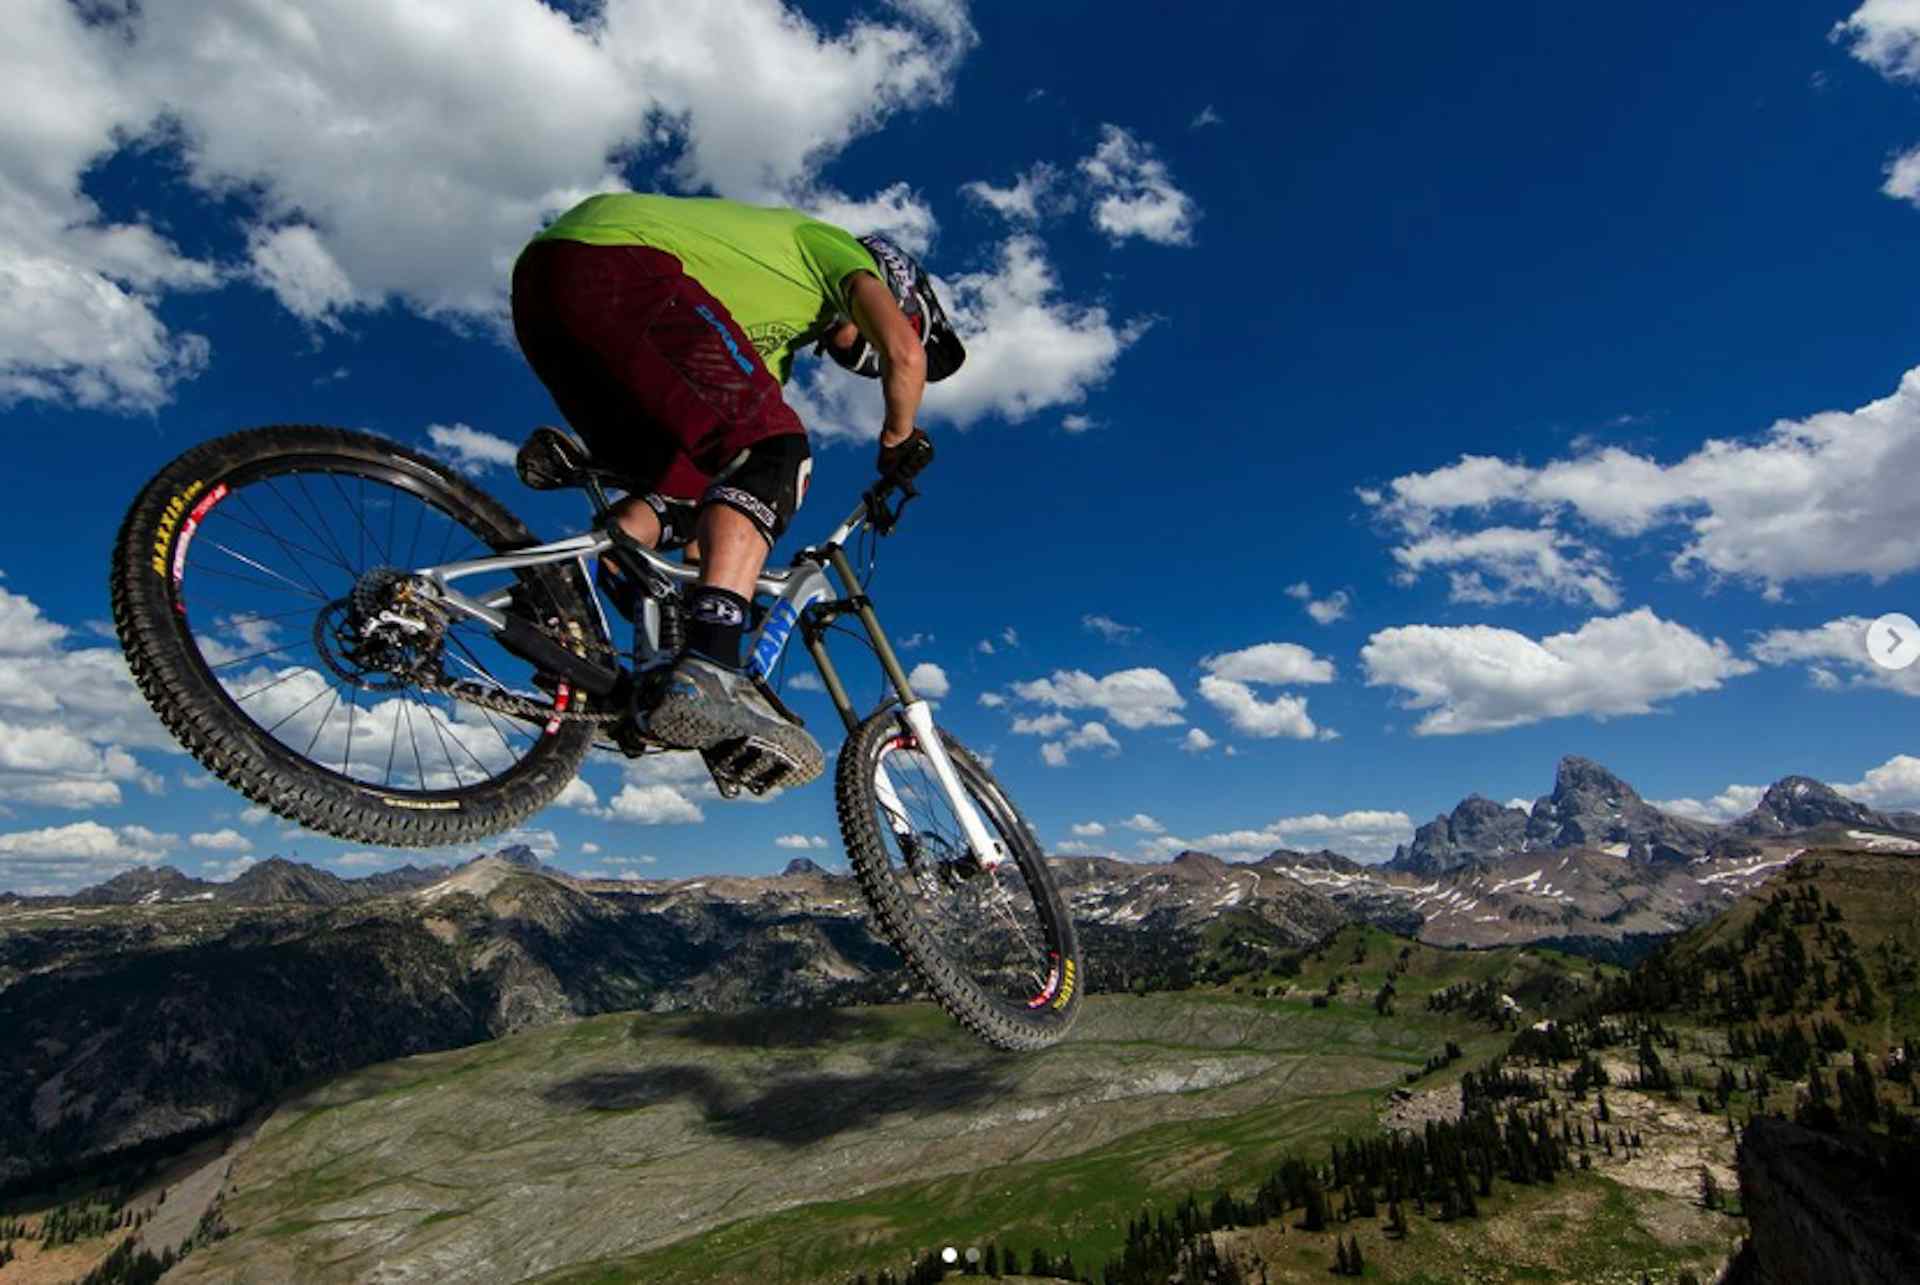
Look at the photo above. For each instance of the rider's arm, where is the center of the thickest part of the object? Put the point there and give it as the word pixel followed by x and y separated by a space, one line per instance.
pixel 903 363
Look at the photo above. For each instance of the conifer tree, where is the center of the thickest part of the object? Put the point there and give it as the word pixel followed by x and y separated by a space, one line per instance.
pixel 1341 1267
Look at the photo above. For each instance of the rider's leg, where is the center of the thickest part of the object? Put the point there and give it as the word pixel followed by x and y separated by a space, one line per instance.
pixel 638 520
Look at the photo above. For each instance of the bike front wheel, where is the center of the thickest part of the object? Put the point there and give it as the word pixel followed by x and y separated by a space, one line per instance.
pixel 994 945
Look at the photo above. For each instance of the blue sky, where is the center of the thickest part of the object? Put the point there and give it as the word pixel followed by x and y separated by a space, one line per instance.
pixel 1361 411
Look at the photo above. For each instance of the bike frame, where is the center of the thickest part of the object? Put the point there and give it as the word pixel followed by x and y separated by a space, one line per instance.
pixel 802 594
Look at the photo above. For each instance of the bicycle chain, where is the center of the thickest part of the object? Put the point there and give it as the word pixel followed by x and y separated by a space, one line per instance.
pixel 514 705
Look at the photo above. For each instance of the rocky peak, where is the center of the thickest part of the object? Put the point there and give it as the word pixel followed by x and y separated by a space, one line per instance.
pixel 519 854
pixel 161 883
pixel 1478 829
pixel 802 866
pixel 278 879
pixel 1199 865
pixel 1590 807
pixel 1801 803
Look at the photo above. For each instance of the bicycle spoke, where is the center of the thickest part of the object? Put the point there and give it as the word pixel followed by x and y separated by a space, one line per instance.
pixel 314 592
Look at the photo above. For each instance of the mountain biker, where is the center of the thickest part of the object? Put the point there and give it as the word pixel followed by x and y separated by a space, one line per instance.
pixel 664 328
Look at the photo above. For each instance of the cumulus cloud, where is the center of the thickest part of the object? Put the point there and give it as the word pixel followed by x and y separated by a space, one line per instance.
pixel 929 680
pixel 1134 194
pixel 1323 610
pixel 1143 823
pixel 470 450
pixel 1477 678
pixel 64 858
pixel 1196 741
pixel 1088 829
pixel 1280 716
pixel 1364 835
pixel 1041 724
pixel 226 840
pixel 652 805
pixel 1278 663
pixel 807 842
pixel 1815 498
pixel 1090 736
pixel 1885 35
pixel 1730 804
pixel 342 170
pixel 70 717
pixel 1894 784
pixel 1133 698
pixel 1835 655
pixel 1227 686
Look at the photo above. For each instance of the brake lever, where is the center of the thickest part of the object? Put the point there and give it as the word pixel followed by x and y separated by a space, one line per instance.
pixel 879 516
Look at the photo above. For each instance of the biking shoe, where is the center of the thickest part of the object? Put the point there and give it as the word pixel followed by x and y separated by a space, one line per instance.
pixel 705 705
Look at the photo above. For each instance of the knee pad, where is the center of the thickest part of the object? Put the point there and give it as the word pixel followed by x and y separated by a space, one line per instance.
pixel 766 483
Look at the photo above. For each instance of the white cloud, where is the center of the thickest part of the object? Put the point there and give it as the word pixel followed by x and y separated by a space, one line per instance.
pixel 913 641
pixel 344 169
pixel 1032 194
pixel 227 840
pixel 992 700
pixel 1323 610
pixel 578 794
pixel 929 680
pixel 1196 741
pixel 1835 655
pixel 1283 715
pixel 1281 664
pixel 589 848
pixel 225 871
pixel 893 211
pixel 1144 824
pixel 68 717
pixel 1042 724
pixel 1089 829
pixel 1820 497
pixel 1226 687
pixel 1730 804
pixel 1133 698
pixel 806 682
pixel 1903 177
pixel 1010 636
pixel 1078 423
pixel 1090 736
pixel 1477 678
pixel 1134 194
pixel 470 450
pixel 1364 835
pixel 806 841
pixel 1206 116
pixel 1885 35
pixel 1895 784
pixel 1109 628
pixel 64 858
pixel 984 647
pixel 653 805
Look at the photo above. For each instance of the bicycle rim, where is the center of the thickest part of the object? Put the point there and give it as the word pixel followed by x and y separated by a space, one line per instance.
pixel 267 564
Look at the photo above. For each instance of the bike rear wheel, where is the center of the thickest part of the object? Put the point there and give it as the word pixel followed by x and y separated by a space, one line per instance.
pixel 243 581
pixel 996 947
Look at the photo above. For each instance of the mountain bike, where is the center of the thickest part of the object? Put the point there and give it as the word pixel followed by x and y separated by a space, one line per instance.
pixel 363 641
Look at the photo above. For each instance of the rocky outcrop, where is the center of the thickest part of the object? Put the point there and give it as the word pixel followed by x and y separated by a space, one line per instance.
pixel 1477 830
pixel 1824 1207
pixel 1590 807
pixel 130 887
pixel 1802 803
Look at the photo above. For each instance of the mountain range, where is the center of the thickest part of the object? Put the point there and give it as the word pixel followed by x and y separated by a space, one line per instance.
pixel 154 1004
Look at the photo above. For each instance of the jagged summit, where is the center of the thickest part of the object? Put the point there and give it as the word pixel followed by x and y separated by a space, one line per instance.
pixel 160 883
pixel 1477 830
pixel 803 866
pixel 277 879
pixel 1801 803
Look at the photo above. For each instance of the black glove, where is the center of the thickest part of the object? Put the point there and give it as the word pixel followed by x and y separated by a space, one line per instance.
pixel 899 463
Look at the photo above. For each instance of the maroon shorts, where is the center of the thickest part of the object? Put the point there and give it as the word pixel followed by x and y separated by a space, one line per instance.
pixel 646 365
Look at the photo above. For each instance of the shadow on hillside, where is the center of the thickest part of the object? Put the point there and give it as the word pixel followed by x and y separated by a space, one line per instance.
pixel 788 1028
pixel 798 1110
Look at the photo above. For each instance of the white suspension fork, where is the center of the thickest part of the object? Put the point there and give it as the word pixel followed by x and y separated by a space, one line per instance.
pixel 986 849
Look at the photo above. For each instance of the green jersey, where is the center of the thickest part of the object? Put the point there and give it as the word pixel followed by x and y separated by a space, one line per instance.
pixel 782 274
